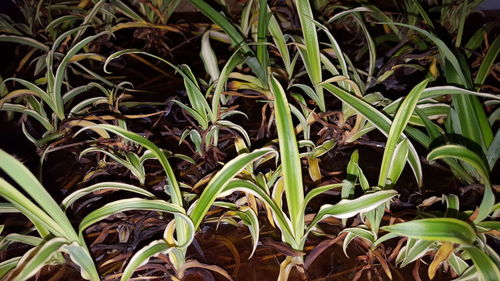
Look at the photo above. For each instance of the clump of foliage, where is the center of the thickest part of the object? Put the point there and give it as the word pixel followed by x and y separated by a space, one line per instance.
pixel 223 128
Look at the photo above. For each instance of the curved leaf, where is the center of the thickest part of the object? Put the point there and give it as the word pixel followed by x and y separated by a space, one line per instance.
pixel 289 154
pixel 348 208
pixel 139 204
pixel 398 125
pixel 143 255
pixel 462 153
pixel 37 259
pixel 379 120
pixel 279 216
pixel 30 184
pixel 70 199
pixel 487 269
pixel 220 180
pixel 435 229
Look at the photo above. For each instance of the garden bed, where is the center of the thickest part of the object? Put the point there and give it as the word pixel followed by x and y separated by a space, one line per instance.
pixel 147 143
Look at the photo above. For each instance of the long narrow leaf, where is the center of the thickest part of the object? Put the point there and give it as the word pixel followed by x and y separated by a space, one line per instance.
pixel 487 62
pixel 70 199
pixel 237 39
pixel 462 153
pixel 487 269
pixel 37 259
pixel 397 127
pixel 220 180
pixel 435 229
pixel 312 54
pixel 348 208
pixel 289 155
pixel 379 120
pixel 30 184
pixel 143 255
pixel 139 204
pixel 279 216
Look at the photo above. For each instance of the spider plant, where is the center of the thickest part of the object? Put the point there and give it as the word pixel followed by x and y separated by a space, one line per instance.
pixel 131 160
pixel 180 231
pixel 396 154
pixel 379 120
pixel 35 101
pixel 294 230
pixel 311 56
pixel 155 12
pixel 210 117
pixel 467 116
pixel 237 40
pixel 453 240
pixel 266 24
pixel 314 152
pixel 56 233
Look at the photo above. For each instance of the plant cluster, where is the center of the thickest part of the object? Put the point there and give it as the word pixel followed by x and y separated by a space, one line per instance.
pixel 245 137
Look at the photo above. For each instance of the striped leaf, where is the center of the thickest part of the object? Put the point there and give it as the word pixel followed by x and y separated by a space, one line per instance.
pixel 435 229
pixel 289 155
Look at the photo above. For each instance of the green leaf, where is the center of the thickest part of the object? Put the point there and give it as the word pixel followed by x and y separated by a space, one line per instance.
pixel 262 27
pixel 443 49
pixel 236 127
pixel 33 261
pixel 231 63
pixel 434 92
pixel 44 121
pixel 462 153
pixel 7 265
pixel 250 219
pixel 196 98
pixel 237 39
pixel 356 232
pixel 73 197
pixel 398 161
pixel 435 229
pixel 458 264
pixel 379 120
pixel 490 225
pixel 29 183
pixel 346 208
pixel 414 250
pixel 398 125
pixel 469 274
pixel 81 257
pixel 312 54
pixel 493 152
pixel 162 158
pixel 61 71
pixel 24 41
pixel 200 108
pixel 290 161
pixel 126 10
pixel 280 42
pixel 31 86
pixel 142 256
pixel 139 204
pixel 280 218
pixel 219 181
pixel 487 269
pixel 487 62
pixel 21 238
pixel 317 191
